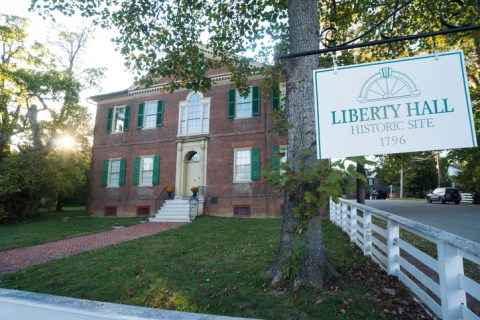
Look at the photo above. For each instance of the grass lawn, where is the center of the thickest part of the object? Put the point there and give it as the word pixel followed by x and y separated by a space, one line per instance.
pixel 49 226
pixel 216 266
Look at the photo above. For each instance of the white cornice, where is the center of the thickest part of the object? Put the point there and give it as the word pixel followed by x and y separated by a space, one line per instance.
pixel 217 80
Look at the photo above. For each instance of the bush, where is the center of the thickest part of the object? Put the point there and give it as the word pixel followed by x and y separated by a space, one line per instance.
pixel 476 198
pixel 20 205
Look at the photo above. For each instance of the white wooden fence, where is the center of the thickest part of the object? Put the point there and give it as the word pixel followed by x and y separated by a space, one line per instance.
pixel 467 197
pixel 438 278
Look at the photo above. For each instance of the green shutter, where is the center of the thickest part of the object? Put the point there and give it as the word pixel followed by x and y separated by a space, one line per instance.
pixel 255 164
pixel 275 99
pixel 156 169
pixel 159 113
pixel 122 172
pixel 232 94
pixel 275 158
pixel 255 101
pixel 105 172
pixel 136 170
pixel 109 119
pixel 141 108
pixel 126 124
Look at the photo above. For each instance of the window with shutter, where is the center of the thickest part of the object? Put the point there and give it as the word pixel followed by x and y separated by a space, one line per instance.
pixel 276 99
pixel 113 172
pixel 231 102
pixel 150 117
pixel 118 119
pixel 141 110
pixel 242 166
pixel 136 171
pixel 255 101
pixel 246 165
pixel 150 114
pixel 275 158
pixel 255 165
pixel 126 124
pixel 156 170
pixel 109 119
pixel 123 163
pixel 243 106
pixel 159 120
pixel 145 170
pixel 105 169
pixel 279 156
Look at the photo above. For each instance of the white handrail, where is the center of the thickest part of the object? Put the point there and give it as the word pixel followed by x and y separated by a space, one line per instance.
pixel 379 234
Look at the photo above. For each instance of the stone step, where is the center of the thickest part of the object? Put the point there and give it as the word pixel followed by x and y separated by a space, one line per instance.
pixel 165 218
pixel 173 211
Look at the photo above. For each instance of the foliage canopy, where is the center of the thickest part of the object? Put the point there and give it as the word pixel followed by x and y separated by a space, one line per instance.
pixel 40 105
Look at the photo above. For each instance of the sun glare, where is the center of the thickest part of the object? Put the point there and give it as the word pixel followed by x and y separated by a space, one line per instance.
pixel 65 142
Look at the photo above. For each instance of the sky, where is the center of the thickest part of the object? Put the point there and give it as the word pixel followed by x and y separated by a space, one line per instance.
pixel 100 52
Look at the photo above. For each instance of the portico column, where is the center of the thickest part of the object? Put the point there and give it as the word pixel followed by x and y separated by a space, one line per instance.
pixel 203 162
pixel 178 171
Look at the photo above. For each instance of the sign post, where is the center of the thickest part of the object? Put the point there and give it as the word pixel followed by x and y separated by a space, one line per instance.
pixel 404 105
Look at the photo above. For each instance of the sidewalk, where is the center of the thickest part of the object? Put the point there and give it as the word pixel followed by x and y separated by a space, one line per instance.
pixel 16 259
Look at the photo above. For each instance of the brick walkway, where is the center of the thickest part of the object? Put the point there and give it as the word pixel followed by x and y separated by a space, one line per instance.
pixel 16 259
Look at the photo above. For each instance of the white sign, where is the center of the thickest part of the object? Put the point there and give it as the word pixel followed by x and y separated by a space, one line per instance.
pixel 405 105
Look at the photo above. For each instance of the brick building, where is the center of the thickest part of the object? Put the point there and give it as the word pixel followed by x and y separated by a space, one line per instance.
pixel 146 140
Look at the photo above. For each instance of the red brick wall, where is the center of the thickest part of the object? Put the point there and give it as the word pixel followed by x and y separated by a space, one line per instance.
pixel 224 136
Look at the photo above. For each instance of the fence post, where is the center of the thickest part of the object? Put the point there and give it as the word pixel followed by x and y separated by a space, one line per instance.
pixel 331 207
pixel 353 223
pixel 450 268
pixel 344 217
pixel 367 232
pixel 393 249
pixel 333 212
pixel 338 213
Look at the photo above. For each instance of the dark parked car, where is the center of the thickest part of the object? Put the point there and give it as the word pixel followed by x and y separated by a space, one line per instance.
pixel 378 195
pixel 444 195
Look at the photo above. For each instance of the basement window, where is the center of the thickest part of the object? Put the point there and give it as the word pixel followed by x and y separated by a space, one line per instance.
pixel 110 211
pixel 241 211
pixel 143 211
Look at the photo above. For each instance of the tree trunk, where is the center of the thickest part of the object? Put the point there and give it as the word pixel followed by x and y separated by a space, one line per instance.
pixel 4 146
pixel 361 184
pixel 60 198
pixel 32 116
pixel 301 258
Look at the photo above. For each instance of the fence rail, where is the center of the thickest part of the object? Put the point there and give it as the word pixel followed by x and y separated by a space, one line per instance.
pixel 467 197
pixel 21 305
pixel 436 265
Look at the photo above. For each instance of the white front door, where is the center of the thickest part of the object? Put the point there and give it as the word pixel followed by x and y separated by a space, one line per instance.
pixel 191 166
pixel 193 173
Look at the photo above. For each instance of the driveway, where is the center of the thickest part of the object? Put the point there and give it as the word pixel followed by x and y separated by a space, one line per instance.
pixel 462 219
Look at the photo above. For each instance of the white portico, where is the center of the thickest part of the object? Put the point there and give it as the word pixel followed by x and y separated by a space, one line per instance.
pixel 191 167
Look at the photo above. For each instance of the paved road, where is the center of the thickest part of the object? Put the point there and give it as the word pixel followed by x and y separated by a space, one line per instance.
pixel 462 219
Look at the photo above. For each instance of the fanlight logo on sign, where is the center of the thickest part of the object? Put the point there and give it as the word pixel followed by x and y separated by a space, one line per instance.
pixel 403 105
